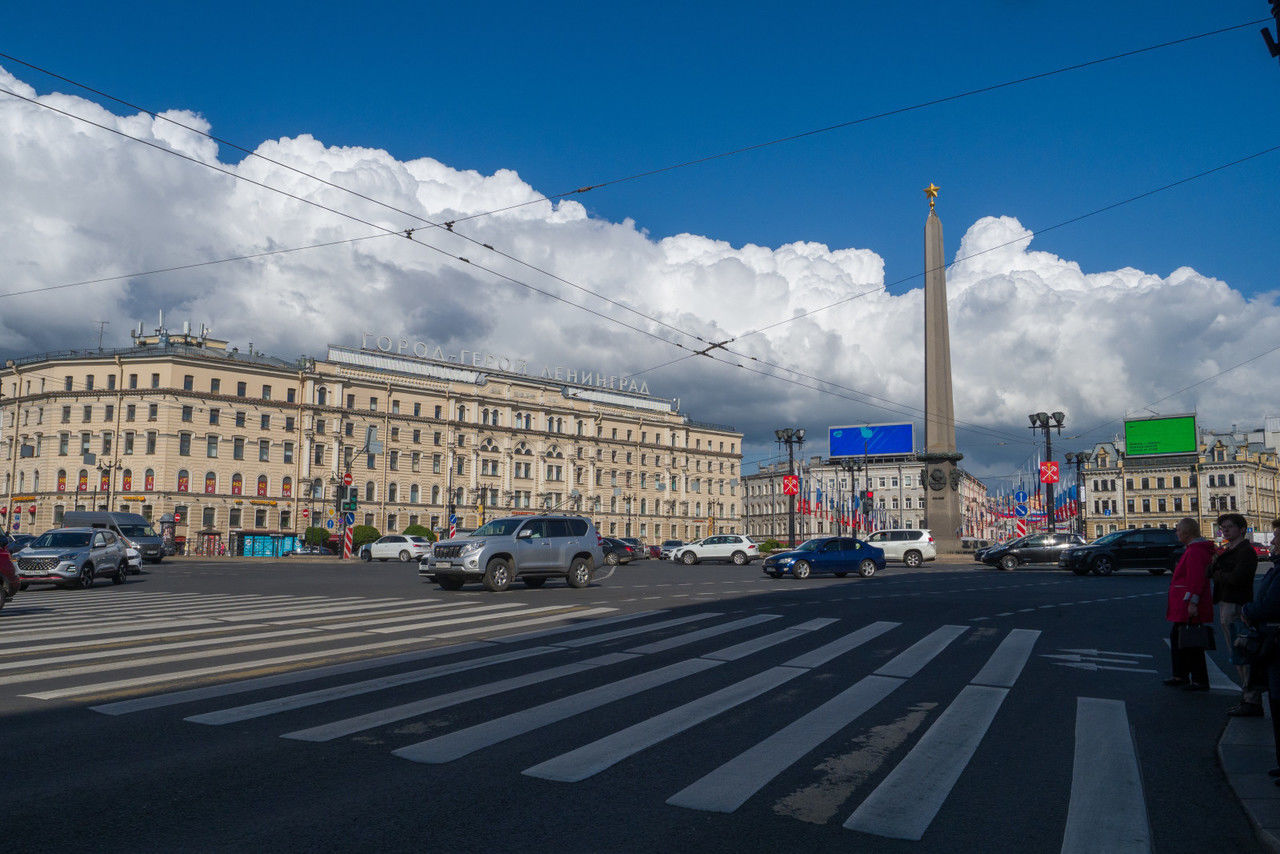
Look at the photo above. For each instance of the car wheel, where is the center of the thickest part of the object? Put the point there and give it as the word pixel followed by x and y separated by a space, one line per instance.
pixel 611 559
pixel 86 577
pixel 497 575
pixel 1008 562
pixel 404 557
pixel 1157 570
pixel 800 569
pixel 448 582
pixel 739 558
pixel 534 581
pixel 688 558
pixel 366 556
pixel 1103 565
pixel 579 573
pixel 867 568
pixel 912 558
pixel 118 578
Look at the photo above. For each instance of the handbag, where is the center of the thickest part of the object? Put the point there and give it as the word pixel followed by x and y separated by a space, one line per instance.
pixel 1196 636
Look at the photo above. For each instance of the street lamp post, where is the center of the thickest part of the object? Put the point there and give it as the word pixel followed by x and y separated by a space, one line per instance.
pixel 1078 460
pixel 1047 421
pixel 791 436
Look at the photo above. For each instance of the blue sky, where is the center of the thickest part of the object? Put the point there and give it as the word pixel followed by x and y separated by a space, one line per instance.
pixel 571 94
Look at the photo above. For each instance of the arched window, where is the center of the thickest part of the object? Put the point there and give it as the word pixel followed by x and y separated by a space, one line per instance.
pixel 522 449
pixel 286 487
pixel 489 445
pixel 413 493
pixel 495 418
pixel 237 484
pixel 697 508
pixel 462 413
pixel 22 481
pixel 435 494
pixel 392 489
pixel 35 481
pixel 368 490
pixel 210 482
pixel 321 394
pixel 484 416
pixel 62 480
pixel 184 480
pixel 262 485
pixel 317 489
pixel 148 480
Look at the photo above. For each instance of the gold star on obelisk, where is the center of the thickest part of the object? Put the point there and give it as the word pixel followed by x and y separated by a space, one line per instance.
pixel 932 192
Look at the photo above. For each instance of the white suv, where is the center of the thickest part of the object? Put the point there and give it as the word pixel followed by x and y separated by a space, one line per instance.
pixel 396 547
pixel 912 546
pixel 735 547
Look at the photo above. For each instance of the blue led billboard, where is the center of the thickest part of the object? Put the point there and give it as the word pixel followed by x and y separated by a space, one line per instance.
pixel 875 440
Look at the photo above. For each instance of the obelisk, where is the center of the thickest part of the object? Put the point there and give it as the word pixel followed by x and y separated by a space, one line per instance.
pixel 941 472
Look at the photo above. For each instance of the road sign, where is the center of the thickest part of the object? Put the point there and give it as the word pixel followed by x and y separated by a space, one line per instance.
pixel 16 524
pixel 1020 496
pixel 1049 472
pixel 346 479
pixel 351 518
pixel 1020 510
pixel 177 517
pixel 1106 511
pixel 329 524
pixel 332 512
pixel 305 512
pixel 346 544
pixel 791 485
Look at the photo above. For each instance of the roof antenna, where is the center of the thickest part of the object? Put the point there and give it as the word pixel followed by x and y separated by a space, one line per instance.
pixel 102 324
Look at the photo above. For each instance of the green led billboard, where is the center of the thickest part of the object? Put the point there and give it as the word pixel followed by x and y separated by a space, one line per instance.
pixel 1150 436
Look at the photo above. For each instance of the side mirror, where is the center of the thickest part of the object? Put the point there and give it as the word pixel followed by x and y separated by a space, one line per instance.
pixel 524 533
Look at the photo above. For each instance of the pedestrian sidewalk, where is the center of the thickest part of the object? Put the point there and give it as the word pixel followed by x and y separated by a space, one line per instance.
pixel 1246 751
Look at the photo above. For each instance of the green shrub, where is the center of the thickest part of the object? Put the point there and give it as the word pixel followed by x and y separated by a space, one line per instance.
pixel 315 536
pixel 361 534
pixel 420 531
pixel 770 545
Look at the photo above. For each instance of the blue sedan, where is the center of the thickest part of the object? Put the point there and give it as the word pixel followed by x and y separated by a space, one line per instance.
pixel 836 555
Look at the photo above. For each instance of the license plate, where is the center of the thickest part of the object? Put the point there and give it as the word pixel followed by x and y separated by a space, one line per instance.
pixel 444 564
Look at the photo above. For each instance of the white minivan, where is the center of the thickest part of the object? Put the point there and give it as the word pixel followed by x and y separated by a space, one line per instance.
pixel 912 546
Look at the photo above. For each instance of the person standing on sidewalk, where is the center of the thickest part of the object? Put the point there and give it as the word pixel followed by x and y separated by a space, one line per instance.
pixel 1232 570
pixel 1189 605
pixel 1264 614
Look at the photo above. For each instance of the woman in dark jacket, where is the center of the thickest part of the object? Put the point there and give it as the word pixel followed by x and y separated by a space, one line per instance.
pixel 1264 613
pixel 1189 605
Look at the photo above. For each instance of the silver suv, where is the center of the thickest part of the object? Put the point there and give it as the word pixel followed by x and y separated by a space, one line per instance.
pixel 912 546
pixel 531 548
pixel 72 557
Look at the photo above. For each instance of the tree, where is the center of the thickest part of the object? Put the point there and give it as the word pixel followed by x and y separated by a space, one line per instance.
pixel 420 531
pixel 361 534
pixel 315 536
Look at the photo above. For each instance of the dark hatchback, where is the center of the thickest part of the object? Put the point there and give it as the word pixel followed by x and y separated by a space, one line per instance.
pixel 616 551
pixel 1154 549
pixel 836 555
pixel 1034 548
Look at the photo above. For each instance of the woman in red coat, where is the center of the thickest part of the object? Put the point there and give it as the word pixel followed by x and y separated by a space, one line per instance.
pixel 1190 602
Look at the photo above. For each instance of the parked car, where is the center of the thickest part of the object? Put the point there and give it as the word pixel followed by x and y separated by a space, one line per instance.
pixel 640 552
pixel 8 578
pixel 735 547
pixel 312 549
pixel 655 552
pixel 836 555
pixel 667 547
pixel 912 546
pixel 132 527
pixel 1154 549
pixel 1262 551
pixel 531 548
pixel 617 551
pixel 133 560
pixel 72 557
pixel 397 547
pixel 1036 548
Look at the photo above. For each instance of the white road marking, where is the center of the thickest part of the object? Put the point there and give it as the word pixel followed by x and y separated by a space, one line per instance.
pixel 446 620
pixel 1006 663
pixel 702 634
pixel 519 624
pixel 591 759
pixel 840 646
pixel 137 651
pixel 577 627
pixel 1107 811
pixel 755 645
pixel 638 630
pixel 921 652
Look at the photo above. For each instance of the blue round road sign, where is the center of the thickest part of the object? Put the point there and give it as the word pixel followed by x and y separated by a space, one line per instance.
pixel 329 524
pixel 1106 512
pixel 1020 510
pixel 1020 496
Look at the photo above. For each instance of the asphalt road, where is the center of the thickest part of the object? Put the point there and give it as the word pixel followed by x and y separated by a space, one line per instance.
pixel 352 707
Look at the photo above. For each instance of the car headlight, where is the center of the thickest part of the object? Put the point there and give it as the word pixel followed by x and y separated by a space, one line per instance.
pixel 67 557
pixel 786 561
pixel 472 547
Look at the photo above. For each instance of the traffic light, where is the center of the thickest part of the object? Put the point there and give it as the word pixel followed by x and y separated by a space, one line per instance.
pixel 351 500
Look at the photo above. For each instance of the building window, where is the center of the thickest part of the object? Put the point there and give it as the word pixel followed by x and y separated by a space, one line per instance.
pixel 319 455
pixel 264 450
pixel 237 484
pixel 241 389
pixel 184 444
pixel 153 412
pixel 206 518
pixel 88 384
pixel 369 490
pixel 393 460
pixel 108 415
pixel 265 421
pixel 237 448
pixel 213 416
pixel 188 382
pixel 240 419
pixel 184 480
pixel 215 385
pixel 260 519
pixel 266 392
pixel 262 485
pixel 288 423
pixel 66 415
pixel 211 449
pixel 290 395
pixel 151 441
pixel 87 414
pixel 233 518
pixel 133 380
pixel 155 381
pixel 288 452
pixel 186 413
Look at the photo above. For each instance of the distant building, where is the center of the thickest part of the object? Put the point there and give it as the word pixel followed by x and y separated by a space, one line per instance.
pixel 244 445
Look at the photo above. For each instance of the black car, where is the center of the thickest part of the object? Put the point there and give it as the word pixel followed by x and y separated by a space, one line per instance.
pixel 639 552
pixel 616 551
pixel 1154 549
pixel 1034 548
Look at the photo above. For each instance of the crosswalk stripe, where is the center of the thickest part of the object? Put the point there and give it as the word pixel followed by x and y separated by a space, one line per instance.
pixel 411 612
pixel 335 607
pixel 134 651
pixel 238 649
pixel 638 630
pixel 755 645
pixel 853 640
pixel 455 745
pixel 1107 810
pixel 519 624
pixel 903 806
pixel 190 695
pixel 577 627
pixel 448 620
pixel 368 686
pixel 121 642
pixel 906 801
pixel 921 652
pixel 703 634
pixel 591 759
pixel 160 678
pixel 328 732
pixel 104 631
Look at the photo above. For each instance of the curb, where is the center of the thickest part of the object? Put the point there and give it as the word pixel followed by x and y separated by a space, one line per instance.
pixel 1246 751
